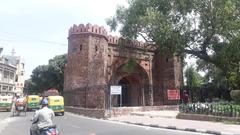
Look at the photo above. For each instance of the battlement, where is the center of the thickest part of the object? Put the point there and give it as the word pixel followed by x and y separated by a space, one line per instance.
pixel 114 40
pixel 89 28
pixel 129 43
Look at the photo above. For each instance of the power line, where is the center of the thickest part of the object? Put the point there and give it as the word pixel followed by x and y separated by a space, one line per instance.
pixel 29 38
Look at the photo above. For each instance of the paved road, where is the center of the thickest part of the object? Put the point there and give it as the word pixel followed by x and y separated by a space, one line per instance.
pixel 4 115
pixel 71 124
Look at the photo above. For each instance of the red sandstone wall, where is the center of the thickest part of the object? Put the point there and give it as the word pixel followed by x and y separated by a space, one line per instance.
pixel 75 70
pixel 168 75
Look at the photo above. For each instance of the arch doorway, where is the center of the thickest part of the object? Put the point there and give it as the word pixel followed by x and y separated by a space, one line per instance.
pixel 132 91
pixel 134 84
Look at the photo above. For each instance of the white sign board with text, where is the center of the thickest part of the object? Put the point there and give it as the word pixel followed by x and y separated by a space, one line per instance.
pixel 116 90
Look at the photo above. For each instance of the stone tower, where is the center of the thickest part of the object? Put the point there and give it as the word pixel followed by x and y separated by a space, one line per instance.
pixel 87 64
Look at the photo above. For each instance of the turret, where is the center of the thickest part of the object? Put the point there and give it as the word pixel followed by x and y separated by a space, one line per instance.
pixel 87 60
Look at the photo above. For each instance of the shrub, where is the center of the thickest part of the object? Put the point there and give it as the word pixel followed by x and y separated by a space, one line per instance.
pixel 235 95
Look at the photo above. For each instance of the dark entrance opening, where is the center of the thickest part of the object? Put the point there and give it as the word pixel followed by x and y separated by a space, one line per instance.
pixel 131 91
pixel 134 84
pixel 125 92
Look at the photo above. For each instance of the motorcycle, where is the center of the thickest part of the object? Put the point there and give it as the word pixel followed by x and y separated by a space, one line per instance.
pixel 52 130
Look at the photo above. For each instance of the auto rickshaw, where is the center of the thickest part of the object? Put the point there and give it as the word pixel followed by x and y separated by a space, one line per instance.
pixel 33 102
pixel 6 103
pixel 56 103
pixel 20 106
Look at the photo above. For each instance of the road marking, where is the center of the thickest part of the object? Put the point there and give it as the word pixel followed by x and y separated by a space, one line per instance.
pixel 74 126
pixel 147 128
pixel 4 123
pixel 121 123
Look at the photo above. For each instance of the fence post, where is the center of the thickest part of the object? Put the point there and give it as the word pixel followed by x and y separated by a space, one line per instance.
pixel 194 109
pixel 211 109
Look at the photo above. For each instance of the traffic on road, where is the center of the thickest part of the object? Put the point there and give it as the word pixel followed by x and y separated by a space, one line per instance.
pixel 71 124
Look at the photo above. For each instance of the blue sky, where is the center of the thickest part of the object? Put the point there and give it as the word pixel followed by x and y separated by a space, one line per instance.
pixel 38 29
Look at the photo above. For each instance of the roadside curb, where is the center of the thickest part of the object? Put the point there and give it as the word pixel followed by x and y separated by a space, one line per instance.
pixel 152 116
pixel 160 126
pixel 176 128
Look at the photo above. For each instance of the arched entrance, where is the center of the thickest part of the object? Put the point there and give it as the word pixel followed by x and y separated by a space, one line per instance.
pixel 125 92
pixel 134 84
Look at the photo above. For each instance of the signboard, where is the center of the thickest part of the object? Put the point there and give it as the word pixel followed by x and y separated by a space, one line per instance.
pixel 173 94
pixel 116 90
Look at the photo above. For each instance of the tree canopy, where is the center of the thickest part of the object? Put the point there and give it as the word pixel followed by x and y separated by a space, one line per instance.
pixel 48 76
pixel 206 29
pixel 193 81
pixel 216 84
pixel 193 78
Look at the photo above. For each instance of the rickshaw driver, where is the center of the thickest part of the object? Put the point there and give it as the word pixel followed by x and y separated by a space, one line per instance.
pixel 18 100
pixel 42 118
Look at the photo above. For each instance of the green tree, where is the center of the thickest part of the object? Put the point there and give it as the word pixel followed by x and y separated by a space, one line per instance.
pixel 193 78
pixel 29 87
pixel 206 29
pixel 56 66
pixel 48 76
pixel 216 84
pixel 193 81
pixel 212 74
pixel 230 59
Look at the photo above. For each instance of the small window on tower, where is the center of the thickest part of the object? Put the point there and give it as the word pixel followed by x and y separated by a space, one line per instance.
pixel 166 59
pixel 96 48
pixel 80 47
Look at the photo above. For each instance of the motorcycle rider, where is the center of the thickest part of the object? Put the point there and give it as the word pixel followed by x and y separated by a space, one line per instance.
pixel 42 118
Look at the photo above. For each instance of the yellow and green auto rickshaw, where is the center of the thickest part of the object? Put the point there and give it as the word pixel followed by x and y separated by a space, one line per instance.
pixel 6 103
pixel 33 102
pixel 56 103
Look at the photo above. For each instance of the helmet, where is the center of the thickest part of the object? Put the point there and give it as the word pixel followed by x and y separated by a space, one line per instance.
pixel 44 101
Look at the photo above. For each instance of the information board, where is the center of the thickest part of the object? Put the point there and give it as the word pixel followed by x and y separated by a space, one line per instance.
pixel 116 90
pixel 173 94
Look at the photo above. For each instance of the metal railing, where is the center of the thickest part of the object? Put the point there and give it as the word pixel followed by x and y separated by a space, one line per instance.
pixel 224 109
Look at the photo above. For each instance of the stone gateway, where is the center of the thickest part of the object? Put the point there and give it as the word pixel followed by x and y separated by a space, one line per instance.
pixel 96 60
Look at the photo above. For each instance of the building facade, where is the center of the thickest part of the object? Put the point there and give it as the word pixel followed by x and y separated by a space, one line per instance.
pixel 7 77
pixel 12 73
pixel 97 61
pixel 19 63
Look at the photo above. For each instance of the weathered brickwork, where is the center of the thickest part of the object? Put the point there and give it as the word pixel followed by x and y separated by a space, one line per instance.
pixel 96 61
